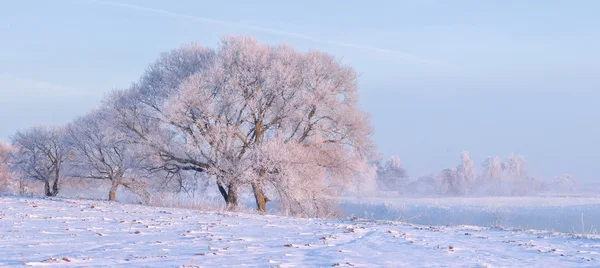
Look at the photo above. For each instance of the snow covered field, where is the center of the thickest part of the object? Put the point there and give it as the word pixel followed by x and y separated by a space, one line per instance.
pixel 84 233
pixel 555 213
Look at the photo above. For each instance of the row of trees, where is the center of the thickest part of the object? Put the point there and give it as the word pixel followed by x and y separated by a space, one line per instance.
pixel 391 175
pixel 496 178
pixel 244 117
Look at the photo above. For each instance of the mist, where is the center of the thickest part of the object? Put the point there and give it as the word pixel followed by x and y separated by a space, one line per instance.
pixel 498 192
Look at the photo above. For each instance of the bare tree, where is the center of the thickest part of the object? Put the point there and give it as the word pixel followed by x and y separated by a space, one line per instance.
pixel 100 152
pixel 40 155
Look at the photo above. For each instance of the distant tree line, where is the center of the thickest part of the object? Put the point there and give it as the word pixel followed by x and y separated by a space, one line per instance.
pixel 508 178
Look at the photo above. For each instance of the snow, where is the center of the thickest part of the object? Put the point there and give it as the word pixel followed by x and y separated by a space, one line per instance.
pixel 87 233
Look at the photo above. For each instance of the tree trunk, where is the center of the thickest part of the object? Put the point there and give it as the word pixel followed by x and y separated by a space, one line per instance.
pixel 229 194
pixel 55 187
pixel 56 182
pixel 259 196
pixel 21 187
pixel 47 188
pixel 112 194
pixel 223 191
pixel 232 200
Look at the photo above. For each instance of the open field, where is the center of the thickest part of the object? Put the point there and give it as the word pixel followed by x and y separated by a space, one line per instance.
pixel 85 233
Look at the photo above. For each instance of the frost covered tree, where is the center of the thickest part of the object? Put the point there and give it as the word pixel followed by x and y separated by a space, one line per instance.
pixel 40 154
pixel 391 175
pixel 100 152
pixel 565 182
pixel 254 96
pixel 466 171
pixel 226 112
pixel 6 177
pixel 509 177
pixel 450 177
pixel 459 180
pixel 138 113
pixel 441 184
pixel 427 185
pixel 491 169
pixel 514 167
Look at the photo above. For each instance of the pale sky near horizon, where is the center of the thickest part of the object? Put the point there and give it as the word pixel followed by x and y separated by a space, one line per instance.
pixel 437 77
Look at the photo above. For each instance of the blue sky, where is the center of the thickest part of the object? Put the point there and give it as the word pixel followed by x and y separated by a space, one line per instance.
pixel 437 77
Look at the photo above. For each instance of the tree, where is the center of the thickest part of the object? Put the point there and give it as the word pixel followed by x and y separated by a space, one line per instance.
pixel 492 169
pixel 565 182
pixel 138 113
pixel 466 172
pixel 514 167
pixel 441 184
pixel 40 155
pixel 391 175
pixel 255 94
pixel 426 185
pixel 509 177
pixel 458 180
pixel 6 178
pixel 221 112
pixel 450 176
pixel 100 152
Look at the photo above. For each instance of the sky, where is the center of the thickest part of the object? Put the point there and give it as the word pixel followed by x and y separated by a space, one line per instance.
pixel 437 77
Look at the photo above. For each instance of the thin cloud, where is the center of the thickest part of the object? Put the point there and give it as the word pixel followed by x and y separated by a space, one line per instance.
pixel 15 87
pixel 166 13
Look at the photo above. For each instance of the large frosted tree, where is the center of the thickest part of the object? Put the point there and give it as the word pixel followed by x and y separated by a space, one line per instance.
pixel 227 113
pixel 254 96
